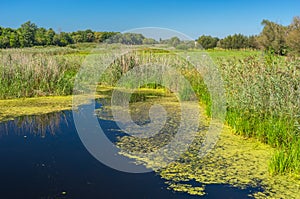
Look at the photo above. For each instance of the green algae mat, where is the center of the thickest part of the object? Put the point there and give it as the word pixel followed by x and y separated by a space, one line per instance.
pixel 236 161
pixel 12 108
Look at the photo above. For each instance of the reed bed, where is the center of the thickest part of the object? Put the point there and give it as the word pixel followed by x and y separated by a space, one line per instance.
pixel 32 72
pixel 263 92
pixel 263 95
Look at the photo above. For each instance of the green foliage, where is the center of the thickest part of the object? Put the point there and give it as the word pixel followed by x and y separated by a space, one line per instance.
pixel 83 36
pixel 174 41
pixel 102 36
pixel 41 37
pixel 50 37
pixel 179 44
pixel 9 38
pixel 37 72
pixel 27 33
pixel 286 160
pixel 185 45
pixel 236 41
pixel 208 42
pixel 126 38
pixel 272 37
pixel 293 37
pixel 149 41
pixel 262 97
pixel 62 39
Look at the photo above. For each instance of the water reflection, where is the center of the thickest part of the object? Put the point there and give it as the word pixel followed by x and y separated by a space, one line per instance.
pixel 58 166
pixel 38 125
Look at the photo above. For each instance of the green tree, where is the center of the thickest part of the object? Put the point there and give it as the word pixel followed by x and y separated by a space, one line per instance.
pixel 293 37
pixel 102 36
pixel 62 39
pixel 149 41
pixel 253 42
pixel 272 37
pixel 41 37
pixel 208 41
pixel 27 34
pixel 14 40
pixel 89 36
pixel 236 41
pixel 5 38
pixel 50 34
pixel 174 41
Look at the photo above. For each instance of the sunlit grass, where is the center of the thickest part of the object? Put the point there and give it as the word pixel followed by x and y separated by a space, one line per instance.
pixel 37 72
pixel 262 90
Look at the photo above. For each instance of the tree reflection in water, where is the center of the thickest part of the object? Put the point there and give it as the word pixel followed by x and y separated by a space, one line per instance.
pixel 37 125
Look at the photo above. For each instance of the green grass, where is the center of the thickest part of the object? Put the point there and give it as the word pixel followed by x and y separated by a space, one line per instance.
pixel 263 102
pixel 262 90
pixel 38 72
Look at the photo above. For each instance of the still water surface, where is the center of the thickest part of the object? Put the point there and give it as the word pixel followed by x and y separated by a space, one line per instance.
pixel 42 157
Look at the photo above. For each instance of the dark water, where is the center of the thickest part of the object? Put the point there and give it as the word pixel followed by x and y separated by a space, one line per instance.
pixel 42 157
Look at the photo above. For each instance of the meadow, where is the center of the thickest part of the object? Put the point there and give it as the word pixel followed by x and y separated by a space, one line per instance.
pixel 262 90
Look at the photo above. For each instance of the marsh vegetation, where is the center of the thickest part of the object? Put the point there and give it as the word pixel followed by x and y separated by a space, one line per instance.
pixel 260 147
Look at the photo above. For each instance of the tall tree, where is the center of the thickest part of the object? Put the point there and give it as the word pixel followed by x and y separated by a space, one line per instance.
pixel 62 39
pixel 252 42
pixel 273 36
pixel 41 37
pixel 174 41
pixel 208 41
pixel 27 34
pixel 50 37
pixel 293 38
pixel 235 41
pixel 5 38
pixel 14 40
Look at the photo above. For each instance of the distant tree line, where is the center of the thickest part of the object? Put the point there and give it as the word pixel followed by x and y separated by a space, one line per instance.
pixel 274 37
pixel 130 39
pixel 179 44
pixel 29 34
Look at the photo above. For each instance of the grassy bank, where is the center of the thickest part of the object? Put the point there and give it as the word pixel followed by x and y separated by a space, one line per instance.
pixel 38 72
pixel 263 93
pixel 263 96
pixel 235 160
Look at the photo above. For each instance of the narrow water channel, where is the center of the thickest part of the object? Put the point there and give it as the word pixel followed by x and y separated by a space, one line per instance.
pixel 42 157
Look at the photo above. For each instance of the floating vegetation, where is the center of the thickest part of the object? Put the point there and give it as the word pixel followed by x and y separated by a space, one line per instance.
pixel 263 98
pixel 12 108
pixel 236 161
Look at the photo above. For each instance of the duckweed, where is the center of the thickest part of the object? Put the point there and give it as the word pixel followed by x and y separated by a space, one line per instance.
pixel 238 161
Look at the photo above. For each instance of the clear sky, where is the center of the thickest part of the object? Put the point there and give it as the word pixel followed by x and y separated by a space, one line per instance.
pixel 192 17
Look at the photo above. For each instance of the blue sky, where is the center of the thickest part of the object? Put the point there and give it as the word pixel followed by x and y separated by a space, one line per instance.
pixel 192 17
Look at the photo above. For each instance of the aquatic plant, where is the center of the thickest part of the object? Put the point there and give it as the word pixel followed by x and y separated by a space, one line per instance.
pixel 263 97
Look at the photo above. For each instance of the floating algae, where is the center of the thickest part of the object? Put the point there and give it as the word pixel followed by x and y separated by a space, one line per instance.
pixel 12 108
pixel 235 160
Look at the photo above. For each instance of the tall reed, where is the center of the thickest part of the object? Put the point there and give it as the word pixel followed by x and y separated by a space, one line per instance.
pixel 25 73
pixel 263 95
